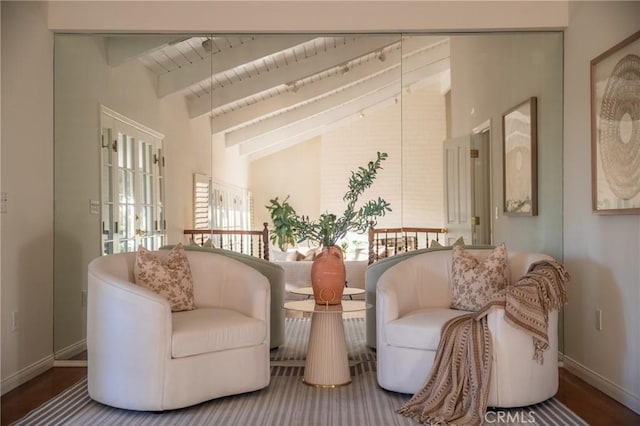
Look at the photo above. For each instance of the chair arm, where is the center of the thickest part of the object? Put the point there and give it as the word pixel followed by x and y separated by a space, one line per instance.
pixel 127 324
pixel 394 298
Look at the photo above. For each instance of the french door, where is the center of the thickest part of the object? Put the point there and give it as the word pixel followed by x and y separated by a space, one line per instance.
pixel 132 199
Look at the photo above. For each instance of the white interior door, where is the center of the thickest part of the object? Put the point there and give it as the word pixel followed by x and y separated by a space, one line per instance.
pixel 457 191
pixel 467 188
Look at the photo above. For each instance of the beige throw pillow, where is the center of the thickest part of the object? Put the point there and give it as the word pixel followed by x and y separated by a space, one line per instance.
pixel 170 278
pixel 436 243
pixel 474 282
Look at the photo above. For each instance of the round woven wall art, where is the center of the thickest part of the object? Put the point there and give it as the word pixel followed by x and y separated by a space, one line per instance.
pixel 619 128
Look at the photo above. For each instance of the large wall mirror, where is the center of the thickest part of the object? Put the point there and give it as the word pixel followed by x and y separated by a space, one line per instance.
pixel 140 118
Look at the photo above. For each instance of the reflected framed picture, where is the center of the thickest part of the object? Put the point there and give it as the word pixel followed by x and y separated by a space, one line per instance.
pixel 615 129
pixel 520 169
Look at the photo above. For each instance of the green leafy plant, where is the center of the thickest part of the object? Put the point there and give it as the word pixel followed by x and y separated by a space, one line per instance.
pixel 329 228
pixel 283 217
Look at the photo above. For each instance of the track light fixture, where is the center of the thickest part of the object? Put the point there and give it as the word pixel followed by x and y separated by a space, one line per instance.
pixel 207 45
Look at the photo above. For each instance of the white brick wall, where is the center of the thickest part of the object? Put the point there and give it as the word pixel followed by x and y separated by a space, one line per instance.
pixel 424 130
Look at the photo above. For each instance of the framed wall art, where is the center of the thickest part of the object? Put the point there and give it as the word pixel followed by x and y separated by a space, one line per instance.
pixel 615 129
pixel 520 169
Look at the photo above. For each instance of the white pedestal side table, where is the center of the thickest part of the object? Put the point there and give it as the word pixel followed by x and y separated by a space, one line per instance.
pixel 327 363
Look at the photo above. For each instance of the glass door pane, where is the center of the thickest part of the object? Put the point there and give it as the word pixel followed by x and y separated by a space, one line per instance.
pixel 127 218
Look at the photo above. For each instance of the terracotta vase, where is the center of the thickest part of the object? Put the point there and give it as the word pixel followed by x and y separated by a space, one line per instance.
pixel 328 276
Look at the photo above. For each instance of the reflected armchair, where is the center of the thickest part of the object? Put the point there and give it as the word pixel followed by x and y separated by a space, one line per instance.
pixel 143 356
pixel 412 303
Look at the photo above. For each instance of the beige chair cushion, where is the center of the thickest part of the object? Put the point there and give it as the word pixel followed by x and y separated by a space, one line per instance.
pixel 169 277
pixel 419 329
pixel 473 283
pixel 213 329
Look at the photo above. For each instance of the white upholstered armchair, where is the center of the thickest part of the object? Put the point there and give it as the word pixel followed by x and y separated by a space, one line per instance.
pixel 412 303
pixel 141 356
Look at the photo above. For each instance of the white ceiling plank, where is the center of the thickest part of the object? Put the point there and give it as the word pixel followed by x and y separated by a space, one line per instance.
pixel 252 49
pixel 287 143
pixel 341 100
pixel 419 52
pixel 303 68
pixel 325 103
pixel 318 120
pixel 305 93
pixel 121 49
pixel 305 136
pixel 419 58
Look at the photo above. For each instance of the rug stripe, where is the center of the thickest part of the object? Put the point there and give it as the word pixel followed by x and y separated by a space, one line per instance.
pixel 286 401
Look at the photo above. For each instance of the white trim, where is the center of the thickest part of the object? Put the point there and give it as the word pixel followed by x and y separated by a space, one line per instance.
pixel 24 375
pixel 603 384
pixel 482 127
pixel 128 121
pixel 71 350
pixel 70 363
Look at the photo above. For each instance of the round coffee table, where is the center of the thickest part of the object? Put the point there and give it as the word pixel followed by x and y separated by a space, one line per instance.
pixel 327 363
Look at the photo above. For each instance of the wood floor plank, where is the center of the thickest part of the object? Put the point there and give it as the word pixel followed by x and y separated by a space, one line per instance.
pixel 594 406
pixel 18 402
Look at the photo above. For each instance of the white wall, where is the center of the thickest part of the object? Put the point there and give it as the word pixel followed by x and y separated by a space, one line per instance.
pixel 27 178
pixel 601 252
pixel 491 74
pixel 294 172
pixel 227 165
pixel 423 131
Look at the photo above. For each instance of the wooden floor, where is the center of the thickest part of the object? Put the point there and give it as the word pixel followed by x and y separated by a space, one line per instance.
pixel 593 406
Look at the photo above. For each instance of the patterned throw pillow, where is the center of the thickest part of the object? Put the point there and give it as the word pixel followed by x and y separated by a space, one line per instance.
pixel 170 278
pixel 475 282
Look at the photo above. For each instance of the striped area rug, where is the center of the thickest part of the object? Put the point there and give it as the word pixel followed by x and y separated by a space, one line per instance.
pixel 287 401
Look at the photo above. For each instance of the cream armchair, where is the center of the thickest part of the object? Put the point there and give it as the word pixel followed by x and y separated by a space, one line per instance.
pixel 413 298
pixel 141 356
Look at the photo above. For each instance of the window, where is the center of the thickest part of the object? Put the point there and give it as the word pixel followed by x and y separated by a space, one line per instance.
pixel 230 207
pixel 201 191
pixel 132 196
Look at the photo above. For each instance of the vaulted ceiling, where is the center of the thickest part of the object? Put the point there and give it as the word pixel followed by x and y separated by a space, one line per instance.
pixel 268 92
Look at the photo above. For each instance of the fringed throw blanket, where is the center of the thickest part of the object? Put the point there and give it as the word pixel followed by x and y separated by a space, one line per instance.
pixel 457 387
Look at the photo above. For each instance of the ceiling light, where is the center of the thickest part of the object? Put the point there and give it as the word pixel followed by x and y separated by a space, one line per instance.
pixel 206 45
pixel 382 56
pixel 345 69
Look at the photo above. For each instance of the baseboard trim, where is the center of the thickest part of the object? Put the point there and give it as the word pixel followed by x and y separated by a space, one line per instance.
pixel 70 363
pixel 22 376
pixel 71 350
pixel 603 384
